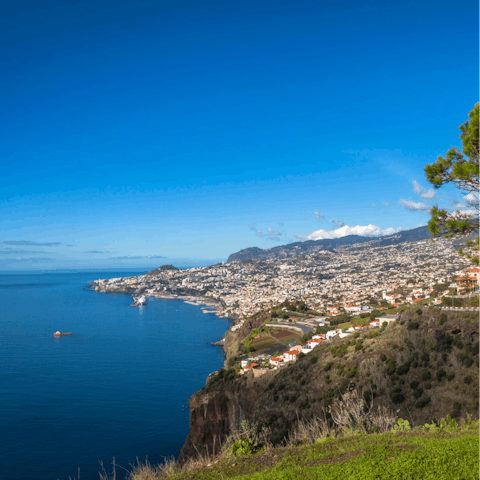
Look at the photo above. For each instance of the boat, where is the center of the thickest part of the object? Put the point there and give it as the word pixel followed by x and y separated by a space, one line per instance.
pixel 60 334
pixel 139 301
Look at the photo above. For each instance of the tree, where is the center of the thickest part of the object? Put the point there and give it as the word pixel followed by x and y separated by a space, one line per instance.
pixel 459 168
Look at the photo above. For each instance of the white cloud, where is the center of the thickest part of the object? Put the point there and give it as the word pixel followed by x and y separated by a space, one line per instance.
pixel 471 199
pixel 428 195
pixel 364 231
pixel 319 216
pixel 409 205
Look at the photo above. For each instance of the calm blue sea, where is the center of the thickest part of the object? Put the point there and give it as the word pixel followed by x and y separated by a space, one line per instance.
pixel 118 387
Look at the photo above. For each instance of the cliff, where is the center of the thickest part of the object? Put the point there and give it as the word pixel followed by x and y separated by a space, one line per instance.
pixel 423 367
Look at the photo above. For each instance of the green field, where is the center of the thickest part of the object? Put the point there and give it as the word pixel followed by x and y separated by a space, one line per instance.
pixel 406 456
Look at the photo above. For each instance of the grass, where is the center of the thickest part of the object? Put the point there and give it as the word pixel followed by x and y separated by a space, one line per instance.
pixel 406 456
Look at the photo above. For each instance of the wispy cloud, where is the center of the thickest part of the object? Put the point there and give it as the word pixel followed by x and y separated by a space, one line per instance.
pixel 273 235
pixel 337 223
pixel 94 251
pixel 409 205
pixel 11 251
pixel 29 243
pixel 319 216
pixel 136 257
pixel 33 259
pixel 426 194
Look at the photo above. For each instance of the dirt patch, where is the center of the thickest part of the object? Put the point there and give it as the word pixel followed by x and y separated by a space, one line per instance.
pixel 285 335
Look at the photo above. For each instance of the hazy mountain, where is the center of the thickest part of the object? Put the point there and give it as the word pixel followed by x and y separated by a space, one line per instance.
pixel 304 248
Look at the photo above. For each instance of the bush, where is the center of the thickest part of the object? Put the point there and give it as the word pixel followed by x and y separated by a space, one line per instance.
pixel 391 366
pixel 423 402
pixel 396 395
pixel 425 376
pixel 244 447
pixel 313 360
pixel 402 369
pixel 450 376
pixel 414 384
pixel 468 379
pixel 468 362
pixel 412 325
pixel 352 371
pixel 417 393
pixel 383 357
pixel 427 385
pixel 328 366
pixel 441 374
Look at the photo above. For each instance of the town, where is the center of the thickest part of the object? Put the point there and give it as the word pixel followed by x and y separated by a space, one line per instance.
pixel 344 280
pixel 357 282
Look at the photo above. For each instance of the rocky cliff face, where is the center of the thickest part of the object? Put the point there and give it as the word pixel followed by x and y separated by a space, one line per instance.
pixel 216 414
pixel 423 367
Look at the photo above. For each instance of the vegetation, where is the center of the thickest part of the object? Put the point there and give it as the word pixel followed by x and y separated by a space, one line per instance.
pixel 442 450
pixel 461 169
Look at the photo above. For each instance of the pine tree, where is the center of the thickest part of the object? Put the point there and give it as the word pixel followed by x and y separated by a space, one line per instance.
pixel 459 168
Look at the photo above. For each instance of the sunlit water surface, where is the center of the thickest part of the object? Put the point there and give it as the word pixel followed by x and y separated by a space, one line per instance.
pixel 117 387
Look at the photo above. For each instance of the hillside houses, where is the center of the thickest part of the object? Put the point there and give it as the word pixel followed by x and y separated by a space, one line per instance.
pixel 347 279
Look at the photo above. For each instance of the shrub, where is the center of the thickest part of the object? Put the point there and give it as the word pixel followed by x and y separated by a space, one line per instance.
pixel 417 393
pixel 328 366
pixel 427 385
pixel 443 341
pixel 352 371
pixel 441 373
pixel 450 376
pixel 414 384
pixel 396 395
pixel 468 362
pixel 423 402
pixel 425 376
pixel 391 366
pixel 468 379
pixel 313 360
pixel 412 325
pixel 402 369
pixel 383 357
pixel 425 357
pixel 244 447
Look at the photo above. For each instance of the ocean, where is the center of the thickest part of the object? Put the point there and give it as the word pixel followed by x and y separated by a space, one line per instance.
pixel 118 387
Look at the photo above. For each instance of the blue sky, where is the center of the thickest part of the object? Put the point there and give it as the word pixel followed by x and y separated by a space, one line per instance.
pixel 164 129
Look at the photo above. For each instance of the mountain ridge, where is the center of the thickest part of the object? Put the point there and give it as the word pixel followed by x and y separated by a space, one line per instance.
pixel 311 246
